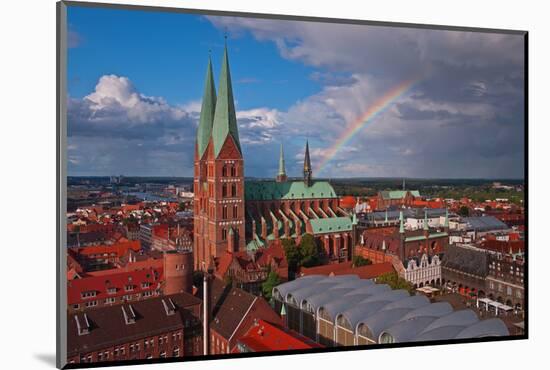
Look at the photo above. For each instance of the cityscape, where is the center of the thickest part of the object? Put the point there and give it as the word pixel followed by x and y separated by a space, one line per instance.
pixel 221 258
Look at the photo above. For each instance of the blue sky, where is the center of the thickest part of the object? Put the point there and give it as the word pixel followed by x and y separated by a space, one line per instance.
pixel 165 54
pixel 135 80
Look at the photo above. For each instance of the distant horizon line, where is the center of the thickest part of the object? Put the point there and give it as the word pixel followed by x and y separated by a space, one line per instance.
pixel 318 178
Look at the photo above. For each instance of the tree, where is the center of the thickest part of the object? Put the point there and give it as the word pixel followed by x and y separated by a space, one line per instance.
pixel 359 261
pixel 197 278
pixel 291 253
pixel 395 282
pixel 181 206
pixel 464 211
pixel 309 251
pixel 267 286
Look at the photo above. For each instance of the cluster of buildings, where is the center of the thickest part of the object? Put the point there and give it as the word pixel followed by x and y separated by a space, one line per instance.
pixel 156 279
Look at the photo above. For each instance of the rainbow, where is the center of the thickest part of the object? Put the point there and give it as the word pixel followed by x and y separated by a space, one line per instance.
pixel 380 105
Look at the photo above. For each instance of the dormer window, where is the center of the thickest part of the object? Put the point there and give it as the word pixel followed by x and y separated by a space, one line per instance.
pixel 128 314
pixel 169 307
pixel 82 325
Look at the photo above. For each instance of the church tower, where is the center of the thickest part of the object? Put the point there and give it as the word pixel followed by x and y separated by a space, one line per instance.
pixel 307 167
pixel 281 175
pixel 200 184
pixel 222 184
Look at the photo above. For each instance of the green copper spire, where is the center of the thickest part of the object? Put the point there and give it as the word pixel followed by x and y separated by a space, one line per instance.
pixel 446 224
pixel 425 219
pixel 204 130
pixel 386 219
pixel 401 225
pixel 225 120
pixel 307 166
pixel 282 171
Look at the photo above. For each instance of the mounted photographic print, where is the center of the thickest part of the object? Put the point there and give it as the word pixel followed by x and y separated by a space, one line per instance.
pixel 234 184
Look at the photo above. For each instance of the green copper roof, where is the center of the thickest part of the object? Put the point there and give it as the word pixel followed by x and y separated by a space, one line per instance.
pixel 282 171
pixel 255 244
pixel 331 225
pixel 422 237
pixel 401 225
pixel 206 121
pixel 398 194
pixel 225 120
pixel 271 190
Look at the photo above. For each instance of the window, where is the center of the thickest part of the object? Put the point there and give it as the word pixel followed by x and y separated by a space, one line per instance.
pixel 233 171
pixel 146 284
pixel 110 300
pixel 235 211
pixel 224 213
pixel 224 234
pixel 111 291
pixel 224 190
pixel 233 190
pixel 129 288
pixel 88 294
pixel 76 306
pixel 163 354
pixel 91 304
pixel 176 352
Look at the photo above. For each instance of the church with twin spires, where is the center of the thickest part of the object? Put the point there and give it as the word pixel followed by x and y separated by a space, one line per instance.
pixel 233 215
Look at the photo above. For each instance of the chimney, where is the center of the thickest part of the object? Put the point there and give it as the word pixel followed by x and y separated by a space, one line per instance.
pixel 205 314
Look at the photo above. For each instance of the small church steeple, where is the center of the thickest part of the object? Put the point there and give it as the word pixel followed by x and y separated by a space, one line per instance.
pixel 281 175
pixel 307 167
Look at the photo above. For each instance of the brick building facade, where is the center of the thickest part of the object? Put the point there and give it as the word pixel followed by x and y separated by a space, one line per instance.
pixel 157 328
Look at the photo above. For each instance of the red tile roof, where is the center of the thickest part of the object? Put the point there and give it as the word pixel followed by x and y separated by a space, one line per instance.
pixel 265 336
pixel 504 247
pixel 348 201
pixel 346 268
pixel 118 280
pixel 119 248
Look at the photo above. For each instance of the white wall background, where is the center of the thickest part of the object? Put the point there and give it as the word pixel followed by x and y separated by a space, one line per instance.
pixel 27 206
